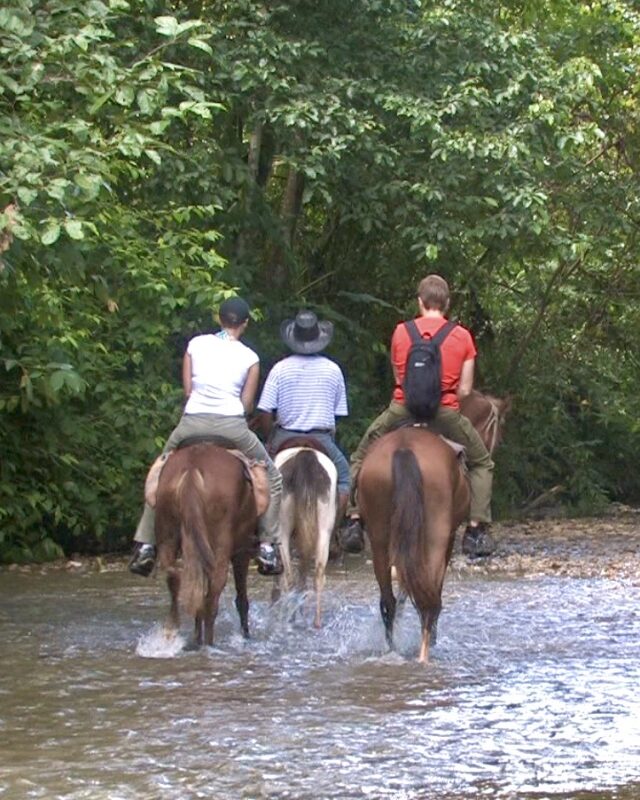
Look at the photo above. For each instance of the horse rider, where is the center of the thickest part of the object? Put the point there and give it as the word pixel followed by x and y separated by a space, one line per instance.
pixel 220 379
pixel 458 354
pixel 306 392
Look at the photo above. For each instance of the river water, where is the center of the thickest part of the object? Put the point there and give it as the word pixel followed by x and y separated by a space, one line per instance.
pixel 532 692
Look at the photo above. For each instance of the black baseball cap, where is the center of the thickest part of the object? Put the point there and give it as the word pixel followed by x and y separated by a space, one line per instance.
pixel 234 311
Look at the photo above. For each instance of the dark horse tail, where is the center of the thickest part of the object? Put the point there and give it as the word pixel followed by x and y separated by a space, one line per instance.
pixel 408 536
pixel 305 479
pixel 197 555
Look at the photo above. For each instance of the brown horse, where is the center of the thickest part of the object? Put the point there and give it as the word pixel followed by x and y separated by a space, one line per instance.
pixel 413 494
pixel 206 510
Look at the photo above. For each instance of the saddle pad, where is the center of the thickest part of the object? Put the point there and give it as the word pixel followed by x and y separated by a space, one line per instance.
pixel 254 471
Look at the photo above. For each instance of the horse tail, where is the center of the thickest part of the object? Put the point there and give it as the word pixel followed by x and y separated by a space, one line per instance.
pixel 306 482
pixel 197 555
pixel 408 531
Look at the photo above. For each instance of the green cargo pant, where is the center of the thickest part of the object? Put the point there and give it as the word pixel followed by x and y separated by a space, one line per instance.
pixel 235 433
pixel 449 423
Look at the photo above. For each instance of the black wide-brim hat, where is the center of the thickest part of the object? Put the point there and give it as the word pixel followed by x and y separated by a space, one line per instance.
pixel 305 334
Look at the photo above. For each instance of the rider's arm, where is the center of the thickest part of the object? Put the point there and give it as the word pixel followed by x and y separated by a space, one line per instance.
pixel 186 374
pixel 250 388
pixel 265 423
pixel 466 378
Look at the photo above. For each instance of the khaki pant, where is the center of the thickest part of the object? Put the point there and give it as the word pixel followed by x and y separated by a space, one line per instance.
pixel 451 424
pixel 233 432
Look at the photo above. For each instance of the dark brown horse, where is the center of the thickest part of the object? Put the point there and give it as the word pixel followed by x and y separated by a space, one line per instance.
pixel 413 494
pixel 205 510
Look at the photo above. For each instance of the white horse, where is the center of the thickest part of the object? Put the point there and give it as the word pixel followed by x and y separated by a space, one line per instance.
pixel 307 514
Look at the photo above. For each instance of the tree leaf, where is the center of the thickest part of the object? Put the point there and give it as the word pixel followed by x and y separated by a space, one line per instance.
pixel 167 26
pixel 73 227
pixel 51 234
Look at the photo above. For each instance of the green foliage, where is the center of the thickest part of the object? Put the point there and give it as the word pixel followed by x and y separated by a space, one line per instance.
pixel 155 154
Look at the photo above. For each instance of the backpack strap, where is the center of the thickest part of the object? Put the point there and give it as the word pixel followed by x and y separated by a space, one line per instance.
pixel 437 338
pixel 441 334
pixel 413 331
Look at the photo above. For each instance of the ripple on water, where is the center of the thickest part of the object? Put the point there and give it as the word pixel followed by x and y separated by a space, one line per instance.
pixel 531 692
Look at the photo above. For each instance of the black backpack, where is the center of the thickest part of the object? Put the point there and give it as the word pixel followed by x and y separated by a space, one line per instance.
pixel 423 371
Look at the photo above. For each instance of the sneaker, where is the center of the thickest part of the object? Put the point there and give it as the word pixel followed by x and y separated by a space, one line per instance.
pixel 352 537
pixel 268 560
pixel 143 559
pixel 477 542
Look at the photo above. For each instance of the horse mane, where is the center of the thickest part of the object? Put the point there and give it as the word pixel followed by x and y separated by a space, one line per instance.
pixel 487 414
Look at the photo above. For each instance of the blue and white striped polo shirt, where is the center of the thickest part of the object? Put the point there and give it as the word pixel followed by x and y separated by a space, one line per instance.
pixel 307 391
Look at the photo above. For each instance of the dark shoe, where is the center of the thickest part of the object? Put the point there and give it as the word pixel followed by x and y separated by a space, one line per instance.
pixel 268 560
pixel 352 537
pixel 143 559
pixel 477 542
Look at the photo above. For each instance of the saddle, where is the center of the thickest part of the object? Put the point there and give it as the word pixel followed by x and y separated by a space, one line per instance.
pixel 255 472
pixel 302 440
pixel 458 449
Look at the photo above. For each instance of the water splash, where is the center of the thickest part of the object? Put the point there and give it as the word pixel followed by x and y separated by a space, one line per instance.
pixel 160 643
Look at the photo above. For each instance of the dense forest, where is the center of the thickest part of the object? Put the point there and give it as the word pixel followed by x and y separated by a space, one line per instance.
pixel 157 157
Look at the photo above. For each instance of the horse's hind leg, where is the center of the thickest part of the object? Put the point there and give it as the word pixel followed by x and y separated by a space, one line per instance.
pixel 319 586
pixel 326 520
pixel 197 630
pixel 429 623
pixel 209 609
pixel 212 599
pixel 173 584
pixel 424 644
pixel 382 570
pixel 240 571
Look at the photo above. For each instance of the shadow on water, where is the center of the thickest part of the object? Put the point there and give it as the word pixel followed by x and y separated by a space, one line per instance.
pixel 531 693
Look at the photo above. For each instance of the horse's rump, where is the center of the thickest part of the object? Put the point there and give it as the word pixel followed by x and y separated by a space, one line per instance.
pixel 412 495
pixel 308 485
pixel 206 509
pixel 412 487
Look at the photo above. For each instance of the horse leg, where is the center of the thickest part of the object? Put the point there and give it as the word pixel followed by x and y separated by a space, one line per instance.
pixel 217 581
pixel 197 630
pixel 382 570
pixel 319 586
pixel 284 581
pixel 424 644
pixel 326 521
pixel 173 584
pixel 240 570
pixel 209 611
pixel 429 622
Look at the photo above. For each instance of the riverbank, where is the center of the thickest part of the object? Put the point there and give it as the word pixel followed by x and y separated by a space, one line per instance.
pixel 589 547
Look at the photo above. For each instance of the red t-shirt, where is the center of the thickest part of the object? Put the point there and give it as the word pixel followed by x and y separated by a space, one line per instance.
pixel 457 348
